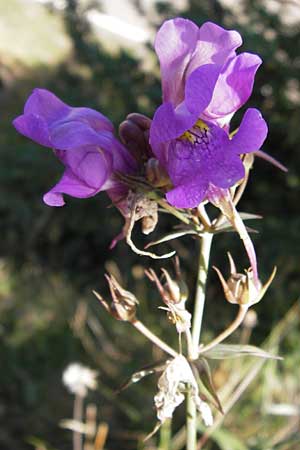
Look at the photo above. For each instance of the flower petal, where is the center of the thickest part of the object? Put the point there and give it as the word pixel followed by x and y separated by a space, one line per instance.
pixel 87 172
pixel 43 103
pixel 46 116
pixel 234 85
pixel 228 170
pixel 92 167
pixel 68 184
pixel 89 116
pixel 251 133
pixel 123 161
pixel 215 45
pixel 73 135
pixel 174 44
pixel 169 123
pixel 200 87
pixel 34 128
pixel 188 195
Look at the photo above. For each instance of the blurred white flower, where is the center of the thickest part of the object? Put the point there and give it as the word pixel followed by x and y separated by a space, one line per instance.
pixel 172 384
pixel 78 379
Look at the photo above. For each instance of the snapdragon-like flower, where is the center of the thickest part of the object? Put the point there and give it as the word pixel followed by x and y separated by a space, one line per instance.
pixel 81 138
pixel 204 83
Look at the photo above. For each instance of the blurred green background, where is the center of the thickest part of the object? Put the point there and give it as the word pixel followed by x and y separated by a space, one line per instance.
pixel 51 259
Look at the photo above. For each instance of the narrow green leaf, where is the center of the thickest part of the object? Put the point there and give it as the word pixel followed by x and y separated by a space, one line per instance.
pixel 228 228
pixel 171 236
pixel 137 376
pixel 249 216
pixel 225 351
pixel 205 377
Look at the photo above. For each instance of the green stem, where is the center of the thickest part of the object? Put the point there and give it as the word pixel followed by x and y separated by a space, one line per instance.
pixel 165 435
pixel 206 241
pixel 191 417
pixel 191 422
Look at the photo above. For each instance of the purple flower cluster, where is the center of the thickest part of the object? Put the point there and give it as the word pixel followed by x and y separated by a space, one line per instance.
pixel 204 82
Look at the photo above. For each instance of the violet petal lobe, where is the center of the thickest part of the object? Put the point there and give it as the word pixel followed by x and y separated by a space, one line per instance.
pixel 187 195
pixel 174 44
pixel 45 116
pixel 234 85
pixel 200 87
pixel 73 135
pixel 169 123
pixel 91 117
pixel 44 103
pixel 92 167
pixel 228 170
pixel 214 45
pixel 68 184
pixel 188 175
pixel 33 127
pixel 87 172
pixel 123 161
pixel 202 156
pixel 251 133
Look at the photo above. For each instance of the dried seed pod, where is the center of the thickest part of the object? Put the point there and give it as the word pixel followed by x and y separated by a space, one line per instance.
pixel 123 303
pixel 241 288
pixel 174 294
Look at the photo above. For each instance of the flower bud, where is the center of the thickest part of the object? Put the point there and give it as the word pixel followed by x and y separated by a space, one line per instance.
pixel 123 304
pixel 241 288
pixel 134 133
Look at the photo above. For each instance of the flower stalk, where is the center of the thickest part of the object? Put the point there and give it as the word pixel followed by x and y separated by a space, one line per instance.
pixel 204 255
pixel 191 422
pixel 243 309
pixel 191 411
pixel 153 338
pixel 165 435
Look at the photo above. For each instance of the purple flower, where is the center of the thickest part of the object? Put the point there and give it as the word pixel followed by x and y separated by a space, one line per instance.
pixel 82 139
pixel 204 83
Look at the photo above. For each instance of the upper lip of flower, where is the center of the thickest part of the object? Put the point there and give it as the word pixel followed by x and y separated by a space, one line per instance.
pixel 183 48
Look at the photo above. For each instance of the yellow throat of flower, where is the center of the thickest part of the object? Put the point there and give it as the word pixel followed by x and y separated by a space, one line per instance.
pixel 191 135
